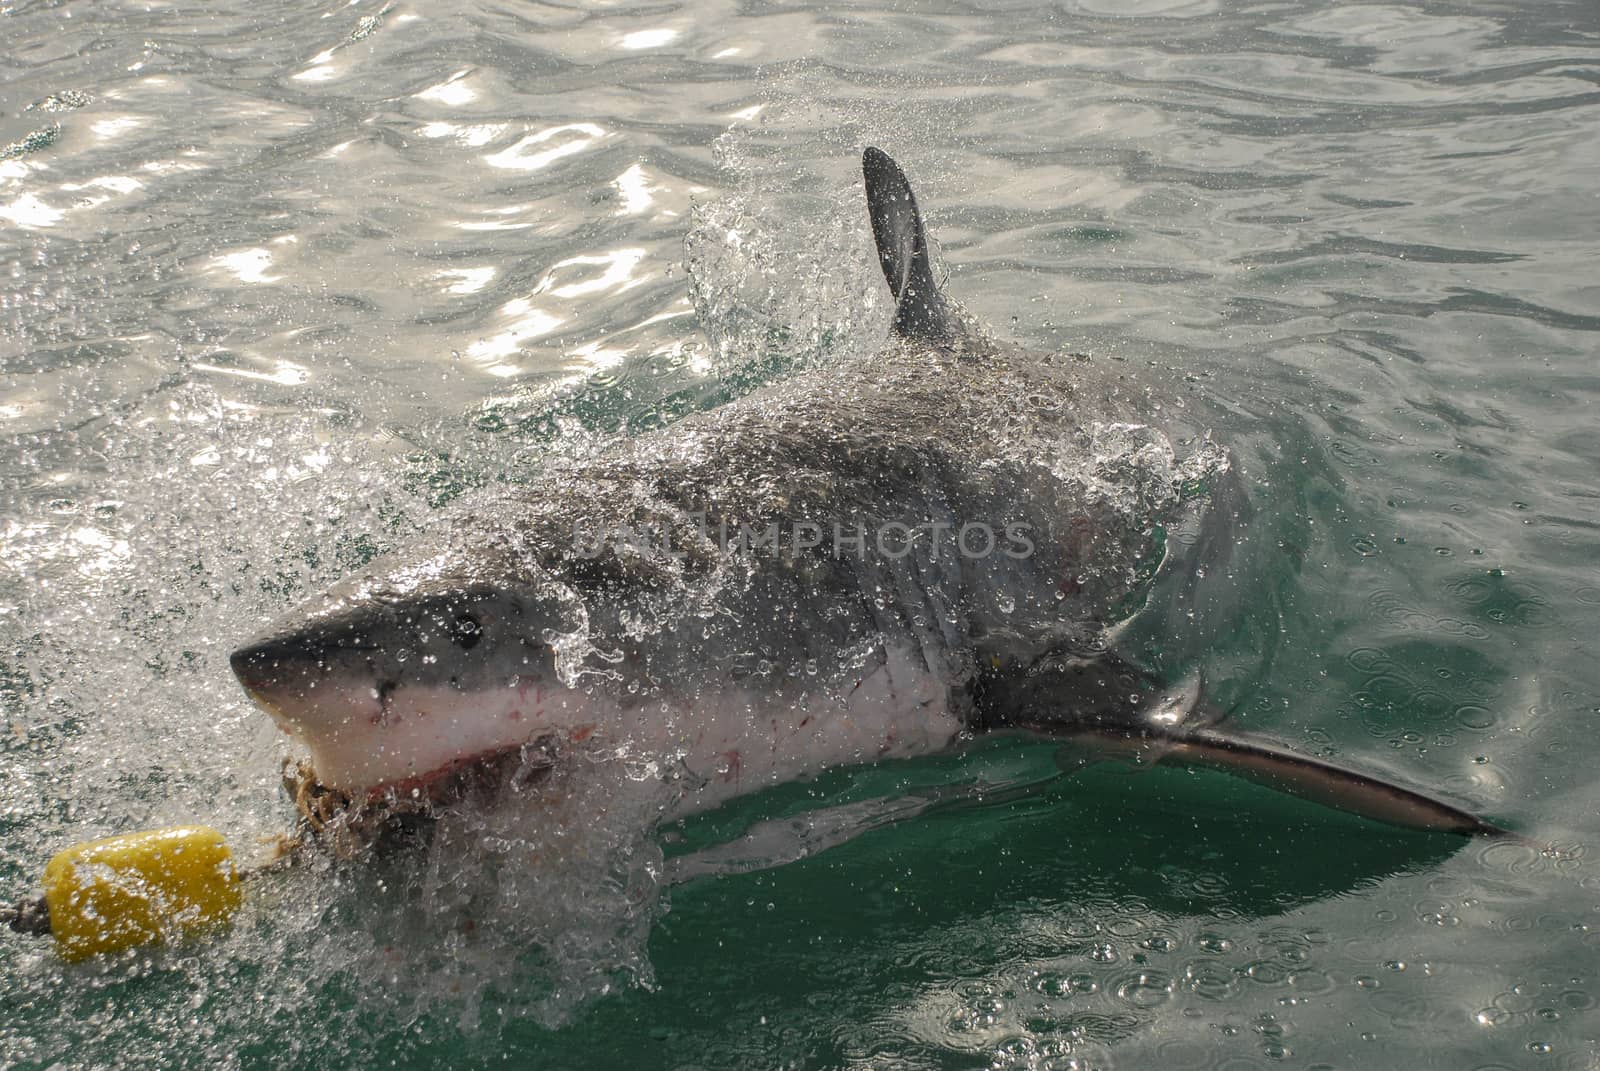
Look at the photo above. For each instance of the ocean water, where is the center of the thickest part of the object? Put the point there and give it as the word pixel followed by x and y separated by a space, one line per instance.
pixel 279 280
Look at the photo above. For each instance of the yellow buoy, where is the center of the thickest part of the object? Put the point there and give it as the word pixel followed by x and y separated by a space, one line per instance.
pixel 111 894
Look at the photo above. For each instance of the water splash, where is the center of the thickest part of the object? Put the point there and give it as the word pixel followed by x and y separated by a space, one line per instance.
pixel 775 297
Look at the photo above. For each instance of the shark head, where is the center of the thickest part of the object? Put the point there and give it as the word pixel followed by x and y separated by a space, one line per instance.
pixel 403 673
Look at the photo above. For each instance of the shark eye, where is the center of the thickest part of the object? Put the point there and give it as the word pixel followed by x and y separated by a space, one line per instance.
pixel 466 631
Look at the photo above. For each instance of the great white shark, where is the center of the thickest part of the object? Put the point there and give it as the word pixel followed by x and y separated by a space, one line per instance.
pixel 858 563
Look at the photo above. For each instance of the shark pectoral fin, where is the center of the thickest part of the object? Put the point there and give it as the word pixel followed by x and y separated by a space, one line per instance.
pixel 1078 752
pixel 1075 757
pixel 1320 781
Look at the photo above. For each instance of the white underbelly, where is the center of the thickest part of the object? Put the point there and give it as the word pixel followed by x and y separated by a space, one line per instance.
pixel 744 741
pixel 728 742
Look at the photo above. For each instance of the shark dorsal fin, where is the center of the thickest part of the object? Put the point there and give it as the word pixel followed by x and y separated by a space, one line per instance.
pixel 920 311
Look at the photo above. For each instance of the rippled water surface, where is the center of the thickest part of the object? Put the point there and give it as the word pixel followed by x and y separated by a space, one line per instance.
pixel 277 280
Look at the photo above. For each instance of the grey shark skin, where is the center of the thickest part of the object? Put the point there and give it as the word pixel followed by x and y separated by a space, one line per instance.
pixel 855 564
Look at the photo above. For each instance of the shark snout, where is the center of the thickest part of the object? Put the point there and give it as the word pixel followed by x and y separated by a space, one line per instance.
pixel 264 667
pixel 402 697
pixel 252 668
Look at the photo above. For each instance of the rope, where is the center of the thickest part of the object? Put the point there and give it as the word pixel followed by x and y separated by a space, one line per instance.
pixel 27 916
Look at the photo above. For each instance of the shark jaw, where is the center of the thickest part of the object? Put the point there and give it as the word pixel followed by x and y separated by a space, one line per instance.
pixel 368 738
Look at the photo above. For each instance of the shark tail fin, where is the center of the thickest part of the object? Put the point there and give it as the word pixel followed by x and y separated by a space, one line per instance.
pixel 921 312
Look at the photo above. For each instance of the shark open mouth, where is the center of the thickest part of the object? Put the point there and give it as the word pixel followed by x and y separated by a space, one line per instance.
pixel 389 816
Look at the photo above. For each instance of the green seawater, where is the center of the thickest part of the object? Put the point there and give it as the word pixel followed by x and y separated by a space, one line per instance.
pixel 278 282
